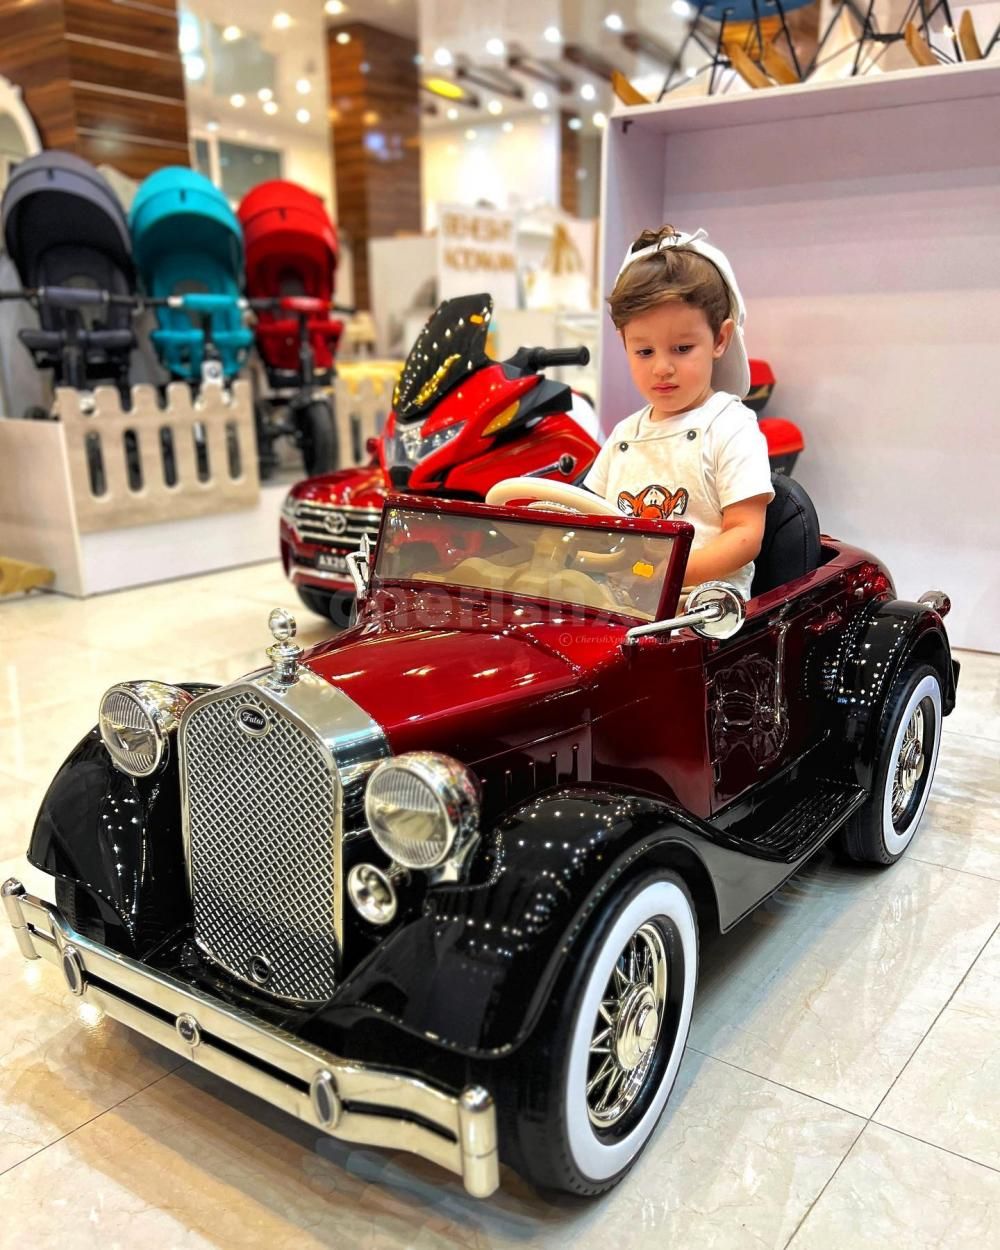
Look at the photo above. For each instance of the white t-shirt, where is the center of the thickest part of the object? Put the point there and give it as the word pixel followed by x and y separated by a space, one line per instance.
pixel 688 467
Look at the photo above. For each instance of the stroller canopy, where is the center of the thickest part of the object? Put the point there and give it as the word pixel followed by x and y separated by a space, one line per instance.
pixel 186 241
pixel 179 221
pixel 62 222
pixel 290 240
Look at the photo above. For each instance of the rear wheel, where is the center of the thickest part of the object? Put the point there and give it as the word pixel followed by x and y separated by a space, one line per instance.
pixel 585 1096
pixel 317 437
pixel 338 606
pixel 907 750
pixel 267 459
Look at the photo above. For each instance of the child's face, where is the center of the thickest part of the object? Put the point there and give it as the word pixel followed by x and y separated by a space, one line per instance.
pixel 671 350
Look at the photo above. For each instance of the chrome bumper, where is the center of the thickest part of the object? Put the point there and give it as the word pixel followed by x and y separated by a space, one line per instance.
pixel 344 1099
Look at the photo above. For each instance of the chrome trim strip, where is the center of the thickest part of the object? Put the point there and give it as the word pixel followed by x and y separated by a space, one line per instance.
pixel 464 1137
pixel 337 507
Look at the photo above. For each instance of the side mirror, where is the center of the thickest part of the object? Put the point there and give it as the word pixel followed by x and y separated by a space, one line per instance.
pixel 727 605
pixel 359 567
pixel 715 610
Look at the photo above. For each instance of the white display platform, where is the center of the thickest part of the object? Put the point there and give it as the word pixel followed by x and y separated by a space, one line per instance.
pixel 863 221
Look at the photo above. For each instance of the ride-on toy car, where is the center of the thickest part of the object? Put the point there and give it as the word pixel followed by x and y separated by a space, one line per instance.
pixel 437 883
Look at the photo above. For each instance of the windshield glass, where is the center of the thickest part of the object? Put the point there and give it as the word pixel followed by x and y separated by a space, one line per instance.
pixel 593 567
pixel 450 346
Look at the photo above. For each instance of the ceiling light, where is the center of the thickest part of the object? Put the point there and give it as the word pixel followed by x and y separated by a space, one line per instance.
pixel 270 108
pixel 303 116
pixel 212 127
pixel 552 34
pixel 614 22
pixel 281 20
pixel 231 34
pixel 265 94
pixel 495 47
pixel 507 127
pixel 691 71
pixel 494 107
pixel 442 56
pixel 303 86
pixel 470 135
pixel 334 8
pixel 237 100
pixel 599 120
pixel 343 37
pixel 452 114
pixel 681 8
pixel 540 100
pixel 194 67
pixel 588 91
pixel 370 117
pixel 445 88
pixel 574 123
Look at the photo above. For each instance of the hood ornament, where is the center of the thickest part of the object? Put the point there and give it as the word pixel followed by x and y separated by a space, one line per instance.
pixel 284 654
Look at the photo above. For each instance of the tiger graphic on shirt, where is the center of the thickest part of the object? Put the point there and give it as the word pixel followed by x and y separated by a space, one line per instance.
pixel 654 503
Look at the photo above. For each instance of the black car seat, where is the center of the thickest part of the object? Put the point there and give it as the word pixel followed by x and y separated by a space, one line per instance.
pixel 791 546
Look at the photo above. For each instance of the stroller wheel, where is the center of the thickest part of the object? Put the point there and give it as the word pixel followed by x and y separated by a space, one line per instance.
pixel 317 437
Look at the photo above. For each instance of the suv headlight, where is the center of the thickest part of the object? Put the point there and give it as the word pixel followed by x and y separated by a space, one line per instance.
pixel 136 719
pixel 422 808
pixel 288 508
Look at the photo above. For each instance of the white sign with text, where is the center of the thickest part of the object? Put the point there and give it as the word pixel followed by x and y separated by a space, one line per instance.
pixel 477 251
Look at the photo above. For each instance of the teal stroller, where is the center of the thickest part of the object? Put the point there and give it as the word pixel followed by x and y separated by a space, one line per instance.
pixel 188 249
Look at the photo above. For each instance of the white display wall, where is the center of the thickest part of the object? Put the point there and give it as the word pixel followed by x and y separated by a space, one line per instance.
pixel 863 222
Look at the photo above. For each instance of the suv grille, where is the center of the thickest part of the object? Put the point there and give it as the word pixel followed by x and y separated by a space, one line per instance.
pixel 261 809
pixel 335 525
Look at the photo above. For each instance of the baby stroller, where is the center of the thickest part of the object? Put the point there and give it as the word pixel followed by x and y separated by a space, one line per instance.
pixel 291 262
pixel 67 234
pixel 189 253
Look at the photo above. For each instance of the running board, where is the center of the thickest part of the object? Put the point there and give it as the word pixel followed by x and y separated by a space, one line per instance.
pixel 786 833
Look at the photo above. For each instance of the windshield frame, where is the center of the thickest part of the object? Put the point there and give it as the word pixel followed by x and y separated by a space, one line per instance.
pixel 682 532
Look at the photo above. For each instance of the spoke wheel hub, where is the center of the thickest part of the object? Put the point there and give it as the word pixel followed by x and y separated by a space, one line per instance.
pixel 637 1028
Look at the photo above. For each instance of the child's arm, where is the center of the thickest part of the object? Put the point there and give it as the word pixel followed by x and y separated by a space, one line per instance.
pixel 739 542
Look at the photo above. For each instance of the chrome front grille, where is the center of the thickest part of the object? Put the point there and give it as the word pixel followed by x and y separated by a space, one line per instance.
pixel 341 526
pixel 263 846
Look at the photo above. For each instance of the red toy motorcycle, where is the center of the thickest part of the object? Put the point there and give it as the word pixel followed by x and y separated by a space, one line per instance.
pixel 461 422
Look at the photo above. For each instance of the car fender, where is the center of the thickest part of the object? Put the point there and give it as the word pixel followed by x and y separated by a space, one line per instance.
pixel 120 838
pixel 859 675
pixel 475 970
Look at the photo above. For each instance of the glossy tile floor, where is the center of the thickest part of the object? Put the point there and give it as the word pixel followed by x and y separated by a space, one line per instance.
pixel 841 1087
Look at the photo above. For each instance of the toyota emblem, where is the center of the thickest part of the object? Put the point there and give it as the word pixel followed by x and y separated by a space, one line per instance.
pixel 335 523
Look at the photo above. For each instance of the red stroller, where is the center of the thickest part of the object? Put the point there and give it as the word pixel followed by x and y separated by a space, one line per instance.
pixel 291 260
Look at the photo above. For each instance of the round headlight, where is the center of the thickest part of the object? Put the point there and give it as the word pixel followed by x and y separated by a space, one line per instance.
pixel 135 720
pixel 422 808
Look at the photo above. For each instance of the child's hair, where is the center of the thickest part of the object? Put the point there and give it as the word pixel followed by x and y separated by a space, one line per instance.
pixel 669 275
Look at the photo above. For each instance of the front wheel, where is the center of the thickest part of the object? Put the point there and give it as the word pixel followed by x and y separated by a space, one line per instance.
pixel 588 1092
pixel 906 756
pixel 317 437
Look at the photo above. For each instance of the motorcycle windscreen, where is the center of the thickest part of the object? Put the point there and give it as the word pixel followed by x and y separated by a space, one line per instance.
pixel 450 347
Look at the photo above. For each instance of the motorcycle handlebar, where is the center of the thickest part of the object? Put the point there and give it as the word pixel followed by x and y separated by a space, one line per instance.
pixel 534 359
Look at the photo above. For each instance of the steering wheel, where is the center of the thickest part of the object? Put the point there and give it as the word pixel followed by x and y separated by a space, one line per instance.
pixel 544 490
pixel 553 546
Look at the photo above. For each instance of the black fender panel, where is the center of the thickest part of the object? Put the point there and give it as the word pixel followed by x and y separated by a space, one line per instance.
pixel 120 838
pixel 475 970
pixel 870 655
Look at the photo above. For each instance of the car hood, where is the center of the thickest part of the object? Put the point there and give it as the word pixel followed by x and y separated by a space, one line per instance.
pixel 470 693
pixel 363 487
